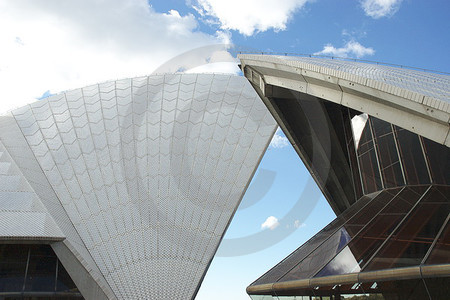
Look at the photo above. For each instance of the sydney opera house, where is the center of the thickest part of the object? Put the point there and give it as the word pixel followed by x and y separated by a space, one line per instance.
pixel 124 189
pixel 376 140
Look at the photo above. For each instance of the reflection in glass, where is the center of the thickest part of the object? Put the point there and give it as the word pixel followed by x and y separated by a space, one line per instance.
pixel 311 264
pixel 298 255
pixel 344 262
pixel 366 242
pixel 358 123
pixel 405 225
pixel 409 244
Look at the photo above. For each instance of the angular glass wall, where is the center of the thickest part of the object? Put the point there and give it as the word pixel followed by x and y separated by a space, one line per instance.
pixel 33 271
pixel 399 228
pixel 399 225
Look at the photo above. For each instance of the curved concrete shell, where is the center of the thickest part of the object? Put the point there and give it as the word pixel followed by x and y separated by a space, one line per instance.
pixel 141 176
pixel 414 100
pixel 376 141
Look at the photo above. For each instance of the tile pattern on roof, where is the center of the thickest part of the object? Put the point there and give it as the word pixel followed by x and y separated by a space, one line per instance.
pixel 150 171
pixel 428 88
pixel 22 215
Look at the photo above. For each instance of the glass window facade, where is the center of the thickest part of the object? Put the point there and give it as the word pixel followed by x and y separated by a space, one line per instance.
pixel 389 156
pixel 413 158
pixel 414 236
pixel 387 153
pixel 402 227
pixel 298 255
pixel 399 222
pixel 438 158
pixel 33 271
pixel 361 248
pixel 368 161
pixel 334 243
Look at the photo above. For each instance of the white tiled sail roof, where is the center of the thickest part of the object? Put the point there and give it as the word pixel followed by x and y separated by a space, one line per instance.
pixel 22 215
pixel 149 171
pixel 418 101
pixel 425 84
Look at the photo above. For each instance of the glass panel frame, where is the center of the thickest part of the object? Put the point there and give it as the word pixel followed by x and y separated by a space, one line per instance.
pixel 410 242
pixel 376 230
pixel 412 157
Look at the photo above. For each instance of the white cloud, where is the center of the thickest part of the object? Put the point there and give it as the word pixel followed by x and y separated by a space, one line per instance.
pixel 351 49
pixel 278 141
pixel 250 15
pixel 60 45
pixel 298 224
pixel 380 8
pixel 270 223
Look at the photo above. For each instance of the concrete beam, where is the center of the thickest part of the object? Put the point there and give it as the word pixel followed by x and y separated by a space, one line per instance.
pixel 410 110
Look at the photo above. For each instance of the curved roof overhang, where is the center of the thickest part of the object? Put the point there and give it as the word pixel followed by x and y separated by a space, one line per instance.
pixel 416 101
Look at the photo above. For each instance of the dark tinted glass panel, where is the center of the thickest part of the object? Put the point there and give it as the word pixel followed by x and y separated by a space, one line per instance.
pixel 359 205
pixel 360 249
pixel 404 201
pixel 364 245
pixel 365 141
pixel 379 127
pixel 412 157
pixel 314 262
pixel 13 262
pixel 441 251
pixel 439 287
pixel 326 251
pixel 298 255
pixel 389 161
pixel 345 262
pixel 355 169
pixel 64 282
pixel 369 171
pixel 403 289
pixel 368 212
pixel 41 274
pixel 439 161
pixel 368 162
pixel 411 241
pixel 351 150
pixel 438 194
pixel 315 125
pixel 35 271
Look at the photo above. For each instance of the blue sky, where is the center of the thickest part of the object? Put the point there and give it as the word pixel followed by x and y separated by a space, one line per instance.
pixel 55 46
pixel 415 33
